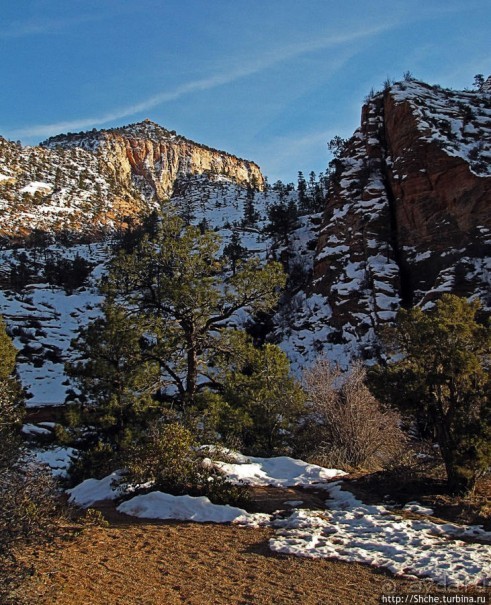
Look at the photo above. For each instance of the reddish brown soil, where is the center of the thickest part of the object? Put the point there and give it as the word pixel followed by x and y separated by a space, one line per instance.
pixel 168 563
pixel 139 562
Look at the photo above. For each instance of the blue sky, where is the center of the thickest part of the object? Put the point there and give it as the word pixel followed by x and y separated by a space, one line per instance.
pixel 268 80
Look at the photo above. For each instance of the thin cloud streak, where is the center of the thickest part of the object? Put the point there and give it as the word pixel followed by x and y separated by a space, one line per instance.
pixel 265 62
pixel 42 26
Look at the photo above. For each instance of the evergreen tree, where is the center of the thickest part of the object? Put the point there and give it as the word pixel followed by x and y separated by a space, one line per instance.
pixel 312 180
pixel 251 216
pixel 443 378
pixel 478 81
pixel 117 384
pixel 234 251
pixel 337 145
pixel 283 219
pixel 302 192
pixel 11 410
pixel 28 498
pixel 261 396
pixel 179 300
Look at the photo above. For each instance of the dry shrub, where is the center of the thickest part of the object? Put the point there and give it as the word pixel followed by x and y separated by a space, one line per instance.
pixel 28 496
pixel 29 510
pixel 347 427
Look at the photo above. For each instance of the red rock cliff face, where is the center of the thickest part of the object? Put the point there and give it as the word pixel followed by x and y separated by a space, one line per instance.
pixel 152 158
pixel 440 200
pixel 408 214
pixel 160 163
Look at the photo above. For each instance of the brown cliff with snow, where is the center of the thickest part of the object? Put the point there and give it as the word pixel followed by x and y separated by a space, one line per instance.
pixel 89 183
pixel 153 158
pixel 408 213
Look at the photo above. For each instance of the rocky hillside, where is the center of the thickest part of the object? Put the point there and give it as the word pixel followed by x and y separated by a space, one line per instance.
pixel 406 218
pixel 408 214
pixel 60 190
pixel 151 158
pixel 91 183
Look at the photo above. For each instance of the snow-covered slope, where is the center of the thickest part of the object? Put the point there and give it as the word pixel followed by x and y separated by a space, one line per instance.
pixel 61 191
pixel 43 318
pixel 407 217
pixel 345 529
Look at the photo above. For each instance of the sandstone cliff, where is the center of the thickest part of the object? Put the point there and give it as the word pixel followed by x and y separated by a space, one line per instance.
pixel 89 183
pixel 153 158
pixel 408 213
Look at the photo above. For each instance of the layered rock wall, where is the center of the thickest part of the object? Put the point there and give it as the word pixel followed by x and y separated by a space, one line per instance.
pixel 408 212
pixel 153 158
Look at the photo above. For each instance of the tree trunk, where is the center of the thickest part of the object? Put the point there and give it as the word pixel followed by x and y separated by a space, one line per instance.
pixel 192 369
pixel 461 480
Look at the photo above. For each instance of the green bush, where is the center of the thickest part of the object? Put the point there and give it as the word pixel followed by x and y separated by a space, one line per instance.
pixel 442 378
pixel 168 459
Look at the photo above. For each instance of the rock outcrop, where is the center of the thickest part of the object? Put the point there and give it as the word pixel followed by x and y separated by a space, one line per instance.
pixel 90 183
pixel 408 214
pixel 153 158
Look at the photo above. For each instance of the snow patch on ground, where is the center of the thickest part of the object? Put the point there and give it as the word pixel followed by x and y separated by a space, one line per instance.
pixel 355 532
pixel 58 459
pixel 157 505
pixel 95 490
pixel 281 471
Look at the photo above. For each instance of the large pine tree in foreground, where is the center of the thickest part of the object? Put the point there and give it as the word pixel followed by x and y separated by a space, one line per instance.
pixel 175 288
pixel 171 302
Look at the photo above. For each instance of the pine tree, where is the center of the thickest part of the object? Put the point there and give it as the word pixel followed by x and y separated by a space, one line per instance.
pixel 443 379
pixel 251 216
pixel 302 192
pixel 117 383
pixel 179 299
pixel 234 251
pixel 11 409
pixel 478 81
pixel 283 219
pixel 263 398
pixel 336 146
pixel 28 495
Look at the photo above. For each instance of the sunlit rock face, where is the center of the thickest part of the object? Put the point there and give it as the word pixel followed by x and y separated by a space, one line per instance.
pixel 89 183
pixel 408 213
pixel 154 157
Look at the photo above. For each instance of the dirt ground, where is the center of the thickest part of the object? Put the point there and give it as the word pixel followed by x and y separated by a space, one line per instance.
pixel 142 562
pixel 167 563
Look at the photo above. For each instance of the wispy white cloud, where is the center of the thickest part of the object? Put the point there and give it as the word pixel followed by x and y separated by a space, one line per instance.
pixel 244 69
pixel 42 26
